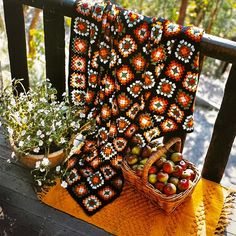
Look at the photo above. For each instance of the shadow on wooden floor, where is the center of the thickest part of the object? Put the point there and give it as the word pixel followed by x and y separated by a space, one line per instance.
pixel 23 214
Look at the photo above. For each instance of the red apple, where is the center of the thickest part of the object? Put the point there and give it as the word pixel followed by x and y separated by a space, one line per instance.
pixel 178 170
pixel 139 170
pixel 152 170
pixel 152 178
pixel 146 152
pixel 183 184
pixel 168 167
pixel 183 164
pixel 176 156
pixel 174 180
pixel 169 189
pixel 159 186
pixel 162 177
pixel 188 174
pixel 131 159
pixel 136 150
pixel 159 163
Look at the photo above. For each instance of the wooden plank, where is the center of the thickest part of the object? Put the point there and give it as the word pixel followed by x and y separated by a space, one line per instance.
pixel 30 224
pixel 223 134
pixel 211 46
pixel 53 219
pixel 54 34
pixel 14 19
pixel 64 7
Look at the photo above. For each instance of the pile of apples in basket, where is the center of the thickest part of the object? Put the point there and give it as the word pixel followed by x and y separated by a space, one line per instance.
pixel 170 173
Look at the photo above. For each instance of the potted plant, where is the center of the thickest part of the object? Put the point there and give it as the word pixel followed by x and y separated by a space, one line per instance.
pixel 40 128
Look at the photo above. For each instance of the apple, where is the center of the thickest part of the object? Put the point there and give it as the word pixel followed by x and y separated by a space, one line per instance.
pixel 183 184
pixel 152 178
pixel 174 180
pixel 146 152
pixel 152 170
pixel 162 177
pixel 139 170
pixel 143 161
pixel 176 156
pixel 168 167
pixel 169 189
pixel 183 164
pixel 159 186
pixel 136 150
pixel 188 174
pixel 134 167
pixel 178 170
pixel 159 163
pixel 131 159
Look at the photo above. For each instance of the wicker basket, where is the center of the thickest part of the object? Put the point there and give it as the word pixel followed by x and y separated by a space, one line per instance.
pixel 167 203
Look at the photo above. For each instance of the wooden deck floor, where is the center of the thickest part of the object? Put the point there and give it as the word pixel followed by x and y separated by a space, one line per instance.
pixel 24 215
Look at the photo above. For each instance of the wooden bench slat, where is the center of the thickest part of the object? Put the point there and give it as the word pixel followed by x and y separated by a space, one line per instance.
pixel 54 34
pixel 15 28
pixel 223 134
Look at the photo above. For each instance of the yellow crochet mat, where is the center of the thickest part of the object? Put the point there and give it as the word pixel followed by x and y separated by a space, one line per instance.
pixel 204 213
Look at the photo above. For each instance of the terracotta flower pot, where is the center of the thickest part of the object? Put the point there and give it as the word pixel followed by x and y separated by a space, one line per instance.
pixel 30 160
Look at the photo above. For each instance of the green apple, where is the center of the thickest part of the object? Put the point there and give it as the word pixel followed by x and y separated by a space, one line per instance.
pixel 174 180
pixel 152 178
pixel 134 167
pixel 143 161
pixel 139 170
pixel 176 156
pixel 136 150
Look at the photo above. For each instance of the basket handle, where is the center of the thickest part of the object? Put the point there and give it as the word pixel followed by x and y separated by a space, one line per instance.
pixel 173 141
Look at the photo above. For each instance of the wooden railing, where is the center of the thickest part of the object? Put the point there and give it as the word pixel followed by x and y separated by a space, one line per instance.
pixel 53 18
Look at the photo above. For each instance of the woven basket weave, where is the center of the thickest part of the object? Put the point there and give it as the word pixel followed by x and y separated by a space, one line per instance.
pixel 167 203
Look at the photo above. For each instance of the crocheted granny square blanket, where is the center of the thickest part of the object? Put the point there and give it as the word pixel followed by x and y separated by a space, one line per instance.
pixel 137 77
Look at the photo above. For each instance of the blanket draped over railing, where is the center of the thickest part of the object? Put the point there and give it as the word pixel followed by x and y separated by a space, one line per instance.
pixel 137 77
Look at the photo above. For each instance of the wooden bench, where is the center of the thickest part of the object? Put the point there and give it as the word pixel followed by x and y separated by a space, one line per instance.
pixel 53 18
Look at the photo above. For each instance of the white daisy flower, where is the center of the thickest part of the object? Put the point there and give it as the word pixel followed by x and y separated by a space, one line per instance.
pixel 64 184
pixel 39 182
pixel 37 164
pixel 39 132
pixel 23 132
pixel 62 140
pixel 21 143
pixel 45 161
pixel 36 150
pixel 58 168
pixel 40 143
